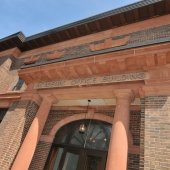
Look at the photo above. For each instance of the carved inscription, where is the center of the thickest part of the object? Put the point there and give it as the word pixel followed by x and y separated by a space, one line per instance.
pixel 93 80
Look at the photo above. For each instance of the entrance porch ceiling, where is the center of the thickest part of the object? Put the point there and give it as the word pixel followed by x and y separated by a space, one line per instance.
pixel 94 102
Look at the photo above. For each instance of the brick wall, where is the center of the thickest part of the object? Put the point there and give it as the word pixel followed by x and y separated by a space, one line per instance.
pixel 40 156
pixel 43 148
pixel 13 129
pixel 135 120
pixel 133 161
pixel 142 132
pixel 7 78
pixel 157 133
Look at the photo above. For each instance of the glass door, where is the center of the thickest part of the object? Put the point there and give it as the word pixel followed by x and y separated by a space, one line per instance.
pixel 76 159
pixel 95 160
pixel 70 159
pixel 74 150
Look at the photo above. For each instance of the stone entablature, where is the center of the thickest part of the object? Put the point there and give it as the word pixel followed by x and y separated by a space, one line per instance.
pixel 93 80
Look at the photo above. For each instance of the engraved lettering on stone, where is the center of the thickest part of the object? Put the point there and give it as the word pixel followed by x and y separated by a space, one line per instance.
pixel 93 80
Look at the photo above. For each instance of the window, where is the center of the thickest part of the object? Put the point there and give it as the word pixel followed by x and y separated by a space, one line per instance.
pixel 74 149
pixel 97 135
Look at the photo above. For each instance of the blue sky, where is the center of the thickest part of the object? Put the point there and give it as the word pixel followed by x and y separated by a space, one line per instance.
pixel 34 16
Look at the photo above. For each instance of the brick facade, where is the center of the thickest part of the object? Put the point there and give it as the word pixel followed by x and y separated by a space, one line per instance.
pixel 8 78
pixel 13 129
pixel 157 133
pixel 124 41
pixel 142 133
pixel 43 148
pixel 40 156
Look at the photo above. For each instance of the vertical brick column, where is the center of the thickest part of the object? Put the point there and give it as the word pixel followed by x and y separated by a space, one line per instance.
pixel 157 133
pixel 7 78
pixel 142 134
pixel 118 148
pixel 13 130
pixel 28 147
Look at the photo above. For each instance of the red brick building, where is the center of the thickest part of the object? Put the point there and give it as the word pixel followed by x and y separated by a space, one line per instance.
pixel 90 95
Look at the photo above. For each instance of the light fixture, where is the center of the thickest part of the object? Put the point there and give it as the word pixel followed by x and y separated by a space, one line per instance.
pixel 83 128
pixel 105 139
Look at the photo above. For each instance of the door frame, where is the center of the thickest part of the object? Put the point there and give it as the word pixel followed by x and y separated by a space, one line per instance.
pixel 77 150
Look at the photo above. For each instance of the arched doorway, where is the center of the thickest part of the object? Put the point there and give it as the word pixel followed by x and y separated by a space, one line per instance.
pixel 73 149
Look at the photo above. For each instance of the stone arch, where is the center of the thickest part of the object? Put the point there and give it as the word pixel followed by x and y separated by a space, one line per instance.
pixel 90 115
pixel 69 119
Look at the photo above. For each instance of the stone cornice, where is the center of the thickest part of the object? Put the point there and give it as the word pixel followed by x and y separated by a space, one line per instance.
pixel 10 96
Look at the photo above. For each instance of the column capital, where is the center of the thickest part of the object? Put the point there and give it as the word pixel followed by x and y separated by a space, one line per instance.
pixel 50 97
pixel 127 94
pixel 32 96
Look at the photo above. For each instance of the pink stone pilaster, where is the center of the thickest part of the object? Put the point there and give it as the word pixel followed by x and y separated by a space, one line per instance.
pixel 118 148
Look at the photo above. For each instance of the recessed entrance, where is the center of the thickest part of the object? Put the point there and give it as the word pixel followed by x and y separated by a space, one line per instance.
pixel 73 149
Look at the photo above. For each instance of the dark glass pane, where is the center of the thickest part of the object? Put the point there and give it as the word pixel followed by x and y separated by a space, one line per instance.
pixel 71 161
pixel 93 162
pixel 77 138
pixel 58 158
pixel 18 85
pixel 96 136
pixel 62 135
pixel 2 113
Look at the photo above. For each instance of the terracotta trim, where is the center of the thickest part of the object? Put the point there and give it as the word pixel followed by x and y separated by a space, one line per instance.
pixel 46 138
pixel 5 104
pixel 127 94
pixel 10 96
pixel 90 115
pixel 81 116
pixel 128 53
